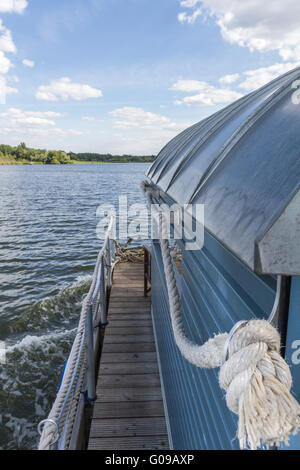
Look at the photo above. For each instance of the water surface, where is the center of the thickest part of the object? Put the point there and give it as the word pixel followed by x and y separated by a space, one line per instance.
pixel 48 247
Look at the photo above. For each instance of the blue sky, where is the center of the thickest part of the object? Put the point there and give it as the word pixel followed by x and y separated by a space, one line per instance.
pixel 125 76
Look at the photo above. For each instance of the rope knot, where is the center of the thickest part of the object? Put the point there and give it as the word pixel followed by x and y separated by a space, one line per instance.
pixel 258 381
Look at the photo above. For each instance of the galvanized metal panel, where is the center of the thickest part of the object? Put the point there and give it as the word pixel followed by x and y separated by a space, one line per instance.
pixel 217 290
pixel 293 349
pixel 243 164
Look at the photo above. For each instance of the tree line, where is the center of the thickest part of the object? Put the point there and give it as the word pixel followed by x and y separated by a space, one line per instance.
pixel 24 154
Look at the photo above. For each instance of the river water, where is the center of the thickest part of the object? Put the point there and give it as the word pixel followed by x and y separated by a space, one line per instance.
pixel 48 248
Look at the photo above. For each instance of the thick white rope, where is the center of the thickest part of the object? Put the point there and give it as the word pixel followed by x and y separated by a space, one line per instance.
pixel 256 378
pixel 65 405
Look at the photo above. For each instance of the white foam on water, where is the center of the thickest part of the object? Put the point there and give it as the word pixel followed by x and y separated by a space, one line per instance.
pixel 56 311
pixel 28 385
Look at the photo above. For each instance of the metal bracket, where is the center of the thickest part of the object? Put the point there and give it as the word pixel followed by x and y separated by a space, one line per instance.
pixel 236 327
pixel 240 324
pixel 277 300
pixel 102 325
pixel 87 400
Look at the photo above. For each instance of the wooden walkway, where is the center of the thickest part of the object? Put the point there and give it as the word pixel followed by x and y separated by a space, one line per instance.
pixel 128 413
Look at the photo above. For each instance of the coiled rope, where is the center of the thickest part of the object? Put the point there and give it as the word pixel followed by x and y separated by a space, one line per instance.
pixel 257 380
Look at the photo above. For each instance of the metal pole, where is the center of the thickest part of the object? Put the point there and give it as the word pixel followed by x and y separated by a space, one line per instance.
pixel 145 272
pixel 108 264
pixel 103 295
pixel 91 382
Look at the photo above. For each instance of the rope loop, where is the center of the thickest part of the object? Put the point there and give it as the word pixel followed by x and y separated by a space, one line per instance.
pixel 54 432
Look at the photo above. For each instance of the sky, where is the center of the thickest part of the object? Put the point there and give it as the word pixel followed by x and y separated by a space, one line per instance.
pixel 125 76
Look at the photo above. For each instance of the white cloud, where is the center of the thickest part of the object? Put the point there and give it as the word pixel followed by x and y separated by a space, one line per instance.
pixel 88 118
pixel 144 131
pixel 5 90
pixel 228 79
pixel 65 89
pixel 273 25
pixel 28 63
pixel 6 41
pixel 13 6
pixel 184 17
pixel 16 118
pixel 209 95
pixel 132 117
pixel 188 85
pixel 259 77
pixel 11 91
pixel 6 45
pixel 5 63
pixel 36 128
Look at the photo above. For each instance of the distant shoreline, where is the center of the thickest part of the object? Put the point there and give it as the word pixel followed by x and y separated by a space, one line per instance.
pixel 70 163
pixel 23 155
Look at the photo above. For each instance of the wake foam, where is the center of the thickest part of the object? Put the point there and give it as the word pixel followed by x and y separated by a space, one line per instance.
pixel 31 375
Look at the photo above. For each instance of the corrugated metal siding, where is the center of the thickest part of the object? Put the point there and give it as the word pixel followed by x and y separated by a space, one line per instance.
pixel 217 291
pixel 292 355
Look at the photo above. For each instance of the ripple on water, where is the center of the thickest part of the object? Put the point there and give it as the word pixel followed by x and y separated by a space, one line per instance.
pixel 48 248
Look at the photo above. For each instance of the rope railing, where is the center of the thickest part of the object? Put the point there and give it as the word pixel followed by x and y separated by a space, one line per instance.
pixel 56 430
pixel 257 380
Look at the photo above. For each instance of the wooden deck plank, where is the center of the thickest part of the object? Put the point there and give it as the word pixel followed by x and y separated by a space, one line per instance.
pixel 129 368
pixel 131 330
pixel 118 322
pixel 129 427
pixel 127 352
pixel 127 381
pixel 128 409
pixel 130 306
pixel 134 303
pixel 130 339
pixel 130 443
pixel 135 313
pixel 128 413
pixel 116 395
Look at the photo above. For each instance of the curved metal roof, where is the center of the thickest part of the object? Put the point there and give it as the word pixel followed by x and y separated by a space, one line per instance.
pixel 243 164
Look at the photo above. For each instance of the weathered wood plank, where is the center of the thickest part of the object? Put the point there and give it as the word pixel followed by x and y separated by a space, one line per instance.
pixel 128 409
pixel 129 427
pixel 128 413
pixel 134 302
pixel 133 310
pixel 129 339
pixel 126 268
pixel 130 318
pixel 127 292
pixel 130 304
pixel 117 322
pixel 132 330
pixel 129 394
pixel 128 381
pixel 128 368
pixel 128 348
pixel 130 443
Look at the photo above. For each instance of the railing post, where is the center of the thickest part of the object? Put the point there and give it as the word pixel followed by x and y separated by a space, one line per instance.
pixel 91 382
pixel 108 264
pixel 147 278
pixel 103 296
